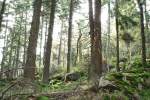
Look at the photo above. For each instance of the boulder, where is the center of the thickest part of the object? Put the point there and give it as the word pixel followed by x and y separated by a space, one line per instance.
pixel 147 82
pixel 107 85
pixel 72 76
pixel 58 77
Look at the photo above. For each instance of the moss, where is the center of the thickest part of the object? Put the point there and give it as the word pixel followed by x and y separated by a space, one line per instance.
pixel 43 98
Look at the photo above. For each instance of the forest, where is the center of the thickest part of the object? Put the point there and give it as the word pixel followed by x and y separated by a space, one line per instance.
pixel 74 49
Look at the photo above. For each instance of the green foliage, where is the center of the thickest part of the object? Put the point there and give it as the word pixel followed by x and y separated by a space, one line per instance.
pixel 129 80
pixel 145 94
pixel 43 98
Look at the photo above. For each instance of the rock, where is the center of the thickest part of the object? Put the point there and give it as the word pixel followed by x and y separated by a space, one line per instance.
pixel 147 82
pixel 136 96
pixel 107 85
pixel 72 76
pixel 58 77
pixel 140 87
pixel 106 67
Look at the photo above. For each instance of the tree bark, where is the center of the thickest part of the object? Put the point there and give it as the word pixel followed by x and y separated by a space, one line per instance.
pixel 97 39
pixel 95 34
pixel 142 33
pixel 47 55
pixel 2 12
pixel 4 50
pixel 146 17
pixel 25 40
pixel 117 36
pixel 108 35
pixel 78 54
pixel 41 41
pixel 19 42
pixel 70 35
pixel 29 70
pixel 60 44
pixel 91 21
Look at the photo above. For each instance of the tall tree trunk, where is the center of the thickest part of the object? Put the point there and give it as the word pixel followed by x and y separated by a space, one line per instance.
pixel 142 33
pixel 29 70
pixel 45 36
pixel 60 44
pixel 78 47
pixel 70 35
pixel 41 42
pixel 47 55
pixel 108 34
pixel 117 36
pixel 25 40
pixel 64 53
pixel 97 39
pixel 146 15
pixel 96 43
pixel 4 50
pixel 13 36
pixel 2 12
pixel 91 21
pixel 19 42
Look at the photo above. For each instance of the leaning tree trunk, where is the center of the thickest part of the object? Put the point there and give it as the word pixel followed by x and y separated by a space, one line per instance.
pixel 47 55
pixel 142 33
pixel 70 35
pixel 117 37
pixel 29 70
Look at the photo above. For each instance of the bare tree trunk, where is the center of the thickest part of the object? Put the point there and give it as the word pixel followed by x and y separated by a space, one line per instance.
pixel 60 44
pixel 108 35
pixel 146 17
pixel 2 12
pixel 97 36
pixel 41 39
pixel 70 35
pixel 64 53
pixel 19 42
pixel 47 55
pixel 4 50
pixel 117 37
pixel 25 40
pixel 142 33
pixel 45 37
pixel 91 21
pixel 29 70
pixel 78 47
pixel 96 44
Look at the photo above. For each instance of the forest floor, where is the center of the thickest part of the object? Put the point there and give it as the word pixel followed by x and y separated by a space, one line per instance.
pixel 131 84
